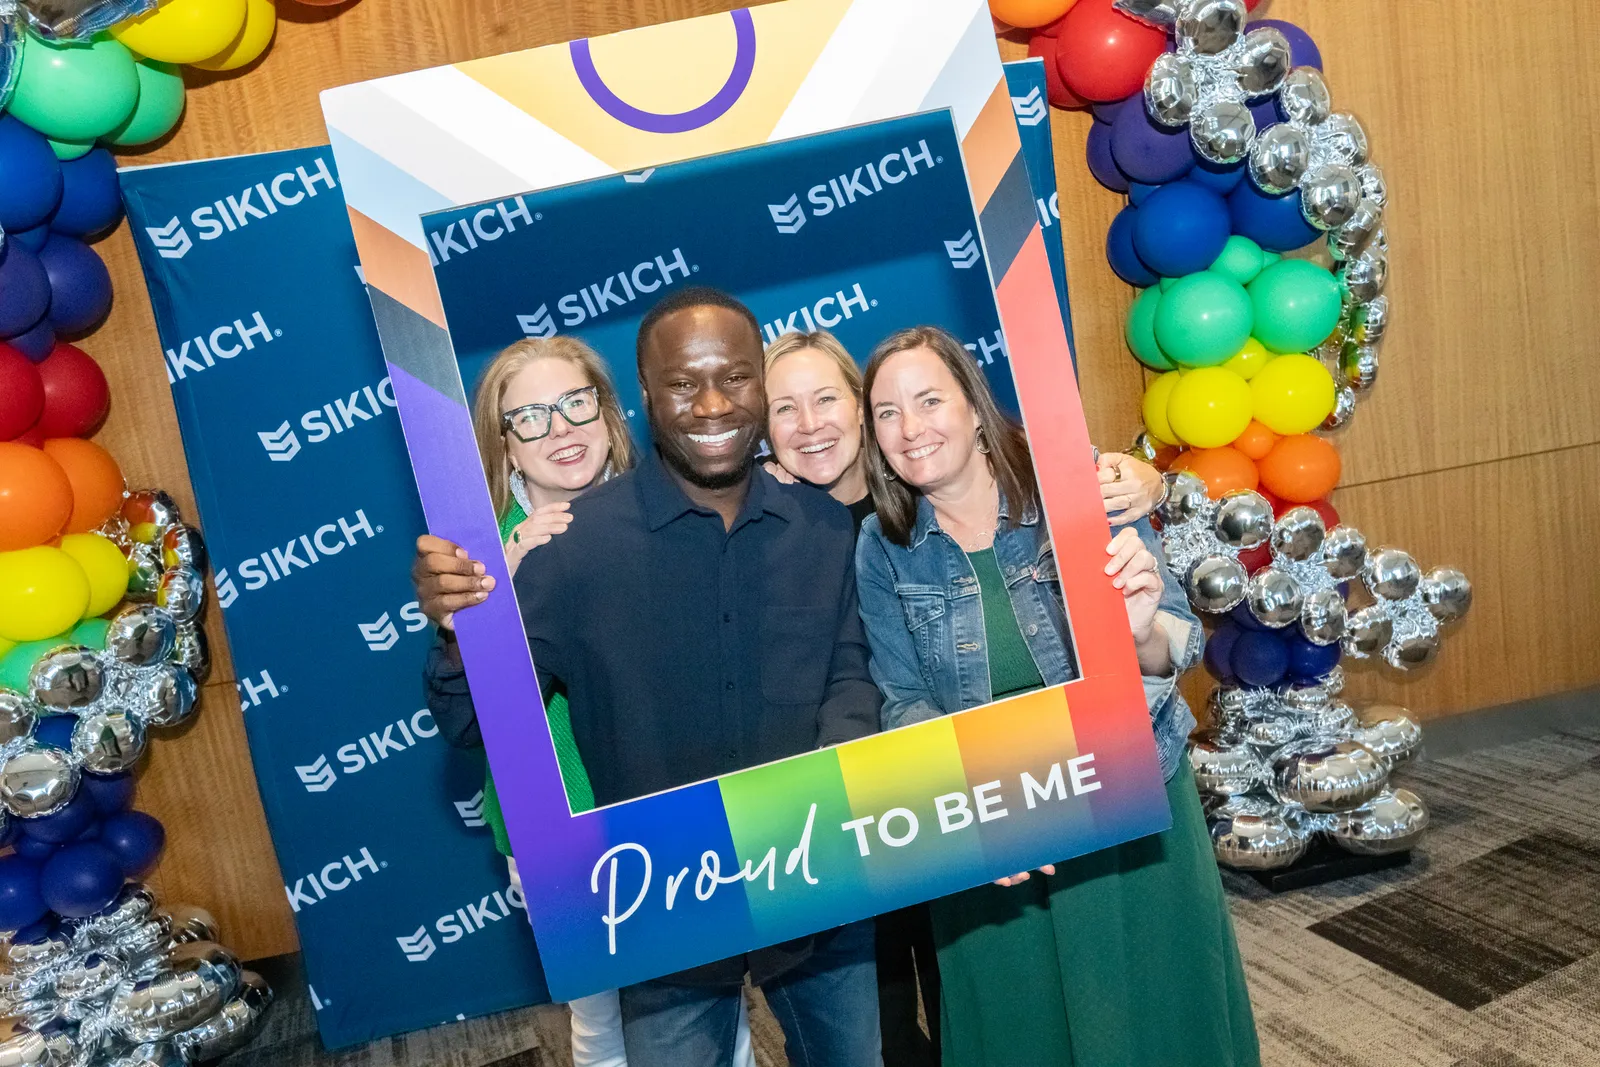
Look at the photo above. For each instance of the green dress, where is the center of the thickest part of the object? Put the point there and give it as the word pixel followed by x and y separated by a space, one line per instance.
pixel 1123 958
pixel 580 795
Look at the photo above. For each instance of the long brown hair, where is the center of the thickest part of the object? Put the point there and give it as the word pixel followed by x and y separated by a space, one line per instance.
pixel 1010 460
pixel 486 411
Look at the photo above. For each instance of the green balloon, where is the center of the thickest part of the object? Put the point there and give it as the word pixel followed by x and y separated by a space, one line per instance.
pixel 159 108
pixel 1203 319
pixel 1240 260
pixel 91 632
pixel 75 92
pixel 1166 283
pixel 69 150
pixel 1296 305
pixel 17 665
pixel 1269 258
pixel 1141 331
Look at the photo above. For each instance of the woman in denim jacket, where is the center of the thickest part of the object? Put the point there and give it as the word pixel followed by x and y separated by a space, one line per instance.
pixel 1123 957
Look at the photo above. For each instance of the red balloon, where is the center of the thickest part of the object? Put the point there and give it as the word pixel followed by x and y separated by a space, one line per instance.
pixel 1330 517
pixel 21 393
pixel 1043 47
pixel 1104 55
pixel 1251 5
pixel 1256 558
pixel 76 397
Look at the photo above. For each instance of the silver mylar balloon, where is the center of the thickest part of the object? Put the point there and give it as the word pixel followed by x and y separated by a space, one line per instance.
pixel 232 1027
pixel 1353 235
pixel 144 572
pixel 1298 534
pixel 1367 274
pixel 29 957
pixel 1305 699
pixel 140 634
pixel 1331 719
pixel 134 904
pixel 1348 139
pixel 181 591
pixel 67 677
pixel 1144 447
pixel 1373 185
pixel 1160 12
pixel 1328 775
pixel 16 715
pixel 1263 61
pixel 1447 592
pixel 1344 407
pixel 1244 519
pixel 1359 365
pixel 152 936
pixel 1273 732
pixel 1412 649
pixel 186 989
pixel 37 781
pixel 1216 583
pixel 1330 195
pixel 1279 158
pixel 51 1045
pixel 1170 91
pixel 1392 573
pixel 168 697
pixel 1226 702
pixel 1304 96
pixel 1323 617
pixel 1275 597
pixel 1389 822
pixel 1369 322
pixel 190 923
pixel 91 976
pixel 193 649
pixel 1186 498
pixel 1256 842
pixel 1367 631
pixel 152 1054
pixel 149 512
pixel 182 546
pixel 1211 25
pixel 1222 131
pixel 1222 769
pixel 1392 736
pixel 108 742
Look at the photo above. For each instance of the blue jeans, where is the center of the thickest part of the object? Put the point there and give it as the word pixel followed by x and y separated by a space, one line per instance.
pixel 827 1006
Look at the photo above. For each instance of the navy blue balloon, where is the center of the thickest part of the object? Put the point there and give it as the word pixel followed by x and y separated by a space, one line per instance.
pixel 1260 658
pixel 1181 229
pixel 1241 615
pixel 80 285
pixel 1219 652
pixel 33 239
pixel 1101 165
pixel 34 849
pixel 63 824
pixel 111 793
pixel 1273 222
pixel 136 839
pixel 36 343
pixel 92 831
pixel 1309 661
pixel 24 290
pixel 1106 113
pixel 1266 112
pixel 1147 151
pixel 80 880
pixel 37 930
pixel 91 200
pixel 1119 250
pixel 55 731
pixel 1139 192
pixel 30 177
pixel 21 903
pixel 1303 51
pixel 1216 177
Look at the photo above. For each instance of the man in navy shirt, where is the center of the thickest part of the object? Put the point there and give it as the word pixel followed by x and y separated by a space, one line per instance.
pixel 701 618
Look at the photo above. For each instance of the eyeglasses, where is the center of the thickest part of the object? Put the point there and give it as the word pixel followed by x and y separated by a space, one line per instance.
pixel 532 422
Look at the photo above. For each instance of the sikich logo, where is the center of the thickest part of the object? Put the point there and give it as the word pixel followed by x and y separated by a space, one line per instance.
pixel 827 312
pixel 225 342
pixel 256 690
pixel 1030 110
pixel 298 553
pixel 841 191
pixel 334 877
pixel 369 749
pixel 334 417
pixel 382 635
pixel 452 926
pixel 613 291
pixel 486 224
pixel 258 201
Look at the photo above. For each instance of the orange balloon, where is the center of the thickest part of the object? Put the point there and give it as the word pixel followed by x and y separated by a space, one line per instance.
pixel 1256 441
pixel 95 477
pixel 1181 461
pixel 1027 14
pixel 1223 470
pixel 35 497
pixel 1301 468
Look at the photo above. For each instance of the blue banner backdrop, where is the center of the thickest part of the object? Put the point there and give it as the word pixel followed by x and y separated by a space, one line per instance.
pixel 1030 106
pixel 310 512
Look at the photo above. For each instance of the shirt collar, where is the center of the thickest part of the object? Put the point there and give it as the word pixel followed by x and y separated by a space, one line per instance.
pixel 664 500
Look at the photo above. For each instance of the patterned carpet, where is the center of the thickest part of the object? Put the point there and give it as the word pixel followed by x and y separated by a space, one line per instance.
pixel 1483 952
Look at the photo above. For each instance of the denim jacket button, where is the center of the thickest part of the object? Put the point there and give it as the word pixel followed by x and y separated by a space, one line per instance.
pixel 1033 629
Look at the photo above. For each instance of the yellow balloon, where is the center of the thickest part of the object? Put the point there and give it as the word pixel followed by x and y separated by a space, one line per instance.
pixel 6 646
pixel 1292 394
pixel 1249 360
pixel 104 565
pixel 1155 408
pixel 183 31
pixel 1209 407
pixel 260 20
pixel 43 591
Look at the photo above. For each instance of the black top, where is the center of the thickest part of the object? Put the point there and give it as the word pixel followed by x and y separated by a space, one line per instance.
pixel 860 510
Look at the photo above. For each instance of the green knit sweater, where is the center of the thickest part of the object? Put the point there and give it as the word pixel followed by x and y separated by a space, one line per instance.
pixel 580 795
pixel 1011 666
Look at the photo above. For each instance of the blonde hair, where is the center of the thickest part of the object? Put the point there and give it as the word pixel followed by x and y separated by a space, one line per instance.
pixel 487 414
pixel 819 341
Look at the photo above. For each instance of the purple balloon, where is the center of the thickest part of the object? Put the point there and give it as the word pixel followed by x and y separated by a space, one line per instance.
pixel 80 285
pixel 1107 111
pixel 80 880
pixel 1120 252
pixel 1309 661
pixel 37 342
pixel 63 824
pixel 24 290
pixel 1101 165
pixel 1276 223
pixel 1303 51
pixel 136 839
pixel 21 903
pixel 1147 151
pixel 1246 621
pixel 111 793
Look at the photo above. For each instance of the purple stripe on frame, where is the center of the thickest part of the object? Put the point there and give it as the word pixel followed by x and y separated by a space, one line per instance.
pixel 744 63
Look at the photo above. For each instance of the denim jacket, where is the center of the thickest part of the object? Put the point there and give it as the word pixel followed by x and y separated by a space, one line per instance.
pixel 924 621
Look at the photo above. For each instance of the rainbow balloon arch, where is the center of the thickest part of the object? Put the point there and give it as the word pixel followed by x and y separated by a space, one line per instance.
pixel 1254 227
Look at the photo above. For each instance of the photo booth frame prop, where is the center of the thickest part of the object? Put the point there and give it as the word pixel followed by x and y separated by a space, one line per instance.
pixel 489 129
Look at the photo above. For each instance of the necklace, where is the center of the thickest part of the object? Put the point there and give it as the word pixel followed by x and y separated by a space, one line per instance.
pixel 972 537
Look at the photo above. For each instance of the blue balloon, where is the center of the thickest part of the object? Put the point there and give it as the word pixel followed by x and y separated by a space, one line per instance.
pixel 80 880
pixel 111 793
pixel 80 285
pixel 37 342
pixel 1216 177
pixel 1303 51
pixel 33 239
pixel 24 290
pixel 91 200
pixel 63 824
pixel 1120 250
pixel 36 931
pixel 1101 165
pixel 1241 615
pixel 1309 661
pixel 34 849
pixel 12 831
pixel 30 177
pixel 56 731
pixel 1259 658
pixel 136 839
pixel 21 902
pixel 1139 192
pixel 1181 229
pixel 1147 151
pixel 1219 652
pixel 1266 112
pixel 1106 113
pixel 1273 222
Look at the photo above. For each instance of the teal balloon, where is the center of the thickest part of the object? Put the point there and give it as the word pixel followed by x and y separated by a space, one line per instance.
pixel 76 92
pixel 159 108
pixel 91 632
pixel 1296 305
pixel 1141 331
pixel 1203 319
pixel 16 666
pixel 66 151
pixel 1241 260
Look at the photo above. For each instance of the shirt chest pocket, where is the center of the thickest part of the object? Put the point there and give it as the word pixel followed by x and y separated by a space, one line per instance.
pixel 796 653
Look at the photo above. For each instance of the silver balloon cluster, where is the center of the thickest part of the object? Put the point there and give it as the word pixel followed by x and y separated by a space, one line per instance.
pixel 166 567
pixel 134 986
pixel 1218 67
pixel 1277 769
pixel 79 20
pixel 11 41
pixel 1304 582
